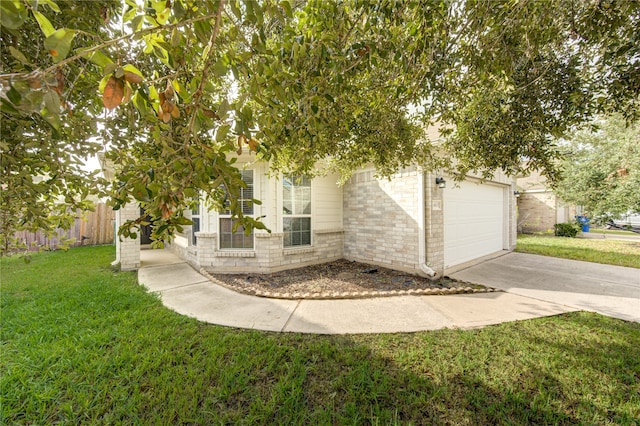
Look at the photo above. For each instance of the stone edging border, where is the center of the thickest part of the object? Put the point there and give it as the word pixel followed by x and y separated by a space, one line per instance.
pixel 259 292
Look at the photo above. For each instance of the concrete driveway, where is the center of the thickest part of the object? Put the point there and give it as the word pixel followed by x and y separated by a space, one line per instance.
pixel 609 290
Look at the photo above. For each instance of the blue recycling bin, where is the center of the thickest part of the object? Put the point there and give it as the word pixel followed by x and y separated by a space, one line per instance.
pixel 584 221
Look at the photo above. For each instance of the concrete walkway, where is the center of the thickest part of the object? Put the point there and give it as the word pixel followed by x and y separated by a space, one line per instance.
pixel 187 292
pixel 606 289
pixel 603 236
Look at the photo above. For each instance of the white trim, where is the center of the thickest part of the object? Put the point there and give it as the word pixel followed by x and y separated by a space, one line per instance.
pixel 535 191
pixel 198 215
pixel 310 216
pixel 506 207
pixel 234 253
pixel 222 215
pixel 422 223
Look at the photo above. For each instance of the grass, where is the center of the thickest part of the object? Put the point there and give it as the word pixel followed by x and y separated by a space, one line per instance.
pixel 82 344
pixel 611 252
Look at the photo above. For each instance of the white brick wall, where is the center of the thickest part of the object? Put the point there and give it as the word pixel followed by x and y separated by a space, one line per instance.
pixel 380 219
pixel 269 254
pixel 128 249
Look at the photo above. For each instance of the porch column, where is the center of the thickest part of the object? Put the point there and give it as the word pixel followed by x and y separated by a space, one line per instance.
pixel 207 242
pixel 127 249
pixel 434 223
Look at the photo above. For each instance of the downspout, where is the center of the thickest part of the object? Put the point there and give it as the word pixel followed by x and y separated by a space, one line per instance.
pixel 422 222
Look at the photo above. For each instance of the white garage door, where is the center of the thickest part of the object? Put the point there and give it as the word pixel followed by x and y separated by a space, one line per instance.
pixel 473 221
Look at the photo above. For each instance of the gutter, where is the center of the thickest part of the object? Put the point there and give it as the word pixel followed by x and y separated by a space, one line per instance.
pixel 422 222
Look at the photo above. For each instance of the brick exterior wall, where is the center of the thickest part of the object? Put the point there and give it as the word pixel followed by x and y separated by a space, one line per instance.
pixel 380 219
pixel 538 207
pixel 127 249
pixel 269 254
pixel 536 211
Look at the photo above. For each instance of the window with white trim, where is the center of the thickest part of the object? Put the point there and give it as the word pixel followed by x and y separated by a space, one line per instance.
pixel 195 226
pixel 296 211
pixel 238 240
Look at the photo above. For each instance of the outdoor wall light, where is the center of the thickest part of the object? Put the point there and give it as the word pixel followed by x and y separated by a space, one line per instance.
pixel 516 193
pixel 441 182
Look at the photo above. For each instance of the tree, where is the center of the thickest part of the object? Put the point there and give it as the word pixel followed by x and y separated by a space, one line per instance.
pixel 179 85
pixel 42 150
pixel 601 168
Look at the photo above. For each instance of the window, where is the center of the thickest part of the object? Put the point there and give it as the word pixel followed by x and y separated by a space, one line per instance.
pixel 296 211
pixel 238 240
pixel 195 227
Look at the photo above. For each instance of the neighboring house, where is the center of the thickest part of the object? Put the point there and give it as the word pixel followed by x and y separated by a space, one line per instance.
pixel 539 209
pixel 406 223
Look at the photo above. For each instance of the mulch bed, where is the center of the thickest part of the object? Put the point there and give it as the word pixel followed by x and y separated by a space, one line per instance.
pixel 341 279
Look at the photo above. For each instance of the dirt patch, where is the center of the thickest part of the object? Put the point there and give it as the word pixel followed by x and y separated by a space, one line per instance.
pixel 339 280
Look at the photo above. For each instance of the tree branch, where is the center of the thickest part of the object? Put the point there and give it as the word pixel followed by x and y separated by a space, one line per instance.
pixel 205 71
pixel 108 43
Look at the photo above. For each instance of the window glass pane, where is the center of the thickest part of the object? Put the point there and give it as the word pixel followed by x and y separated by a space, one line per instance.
pixel 306 204
pixel 297 201
pixel 287 197
pixel 233 240
pixel 296 194
pixel 247 207
pixel 225 225
pixel 297 231
pixel 246 194
pixel 225 241
pixel 237 240
pixel 195 227
pixel 295 238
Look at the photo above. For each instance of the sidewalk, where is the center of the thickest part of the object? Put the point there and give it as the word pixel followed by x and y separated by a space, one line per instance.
pixel 187 292
pixel 605 236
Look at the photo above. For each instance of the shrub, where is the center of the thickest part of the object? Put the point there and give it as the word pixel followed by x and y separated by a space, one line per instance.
pixel 566 229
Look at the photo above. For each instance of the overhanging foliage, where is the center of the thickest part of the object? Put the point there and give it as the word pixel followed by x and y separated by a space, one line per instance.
pixel 178 86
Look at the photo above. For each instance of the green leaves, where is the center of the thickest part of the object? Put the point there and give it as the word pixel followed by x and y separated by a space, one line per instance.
pixel 601 168
pixel 97 57
pixel 12 14
pixel 59 44
pixel 342 83
pixel 18 55
pixel 45 25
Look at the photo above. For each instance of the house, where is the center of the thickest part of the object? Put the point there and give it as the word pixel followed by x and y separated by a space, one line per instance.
pixel 408 223
pixel 539 209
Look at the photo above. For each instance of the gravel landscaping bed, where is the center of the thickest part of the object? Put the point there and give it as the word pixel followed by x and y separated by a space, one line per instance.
pixel 341 279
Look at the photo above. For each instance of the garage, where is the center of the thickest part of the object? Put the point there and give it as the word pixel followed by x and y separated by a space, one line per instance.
pixel 474 221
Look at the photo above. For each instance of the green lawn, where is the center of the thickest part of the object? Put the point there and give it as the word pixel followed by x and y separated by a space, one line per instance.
pixel 82 344
pixel 612 252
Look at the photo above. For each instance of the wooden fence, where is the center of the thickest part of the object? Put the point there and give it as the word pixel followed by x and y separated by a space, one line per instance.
pixel 90 229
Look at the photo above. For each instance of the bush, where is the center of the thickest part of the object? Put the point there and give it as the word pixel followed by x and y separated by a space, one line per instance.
pixel 566 229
